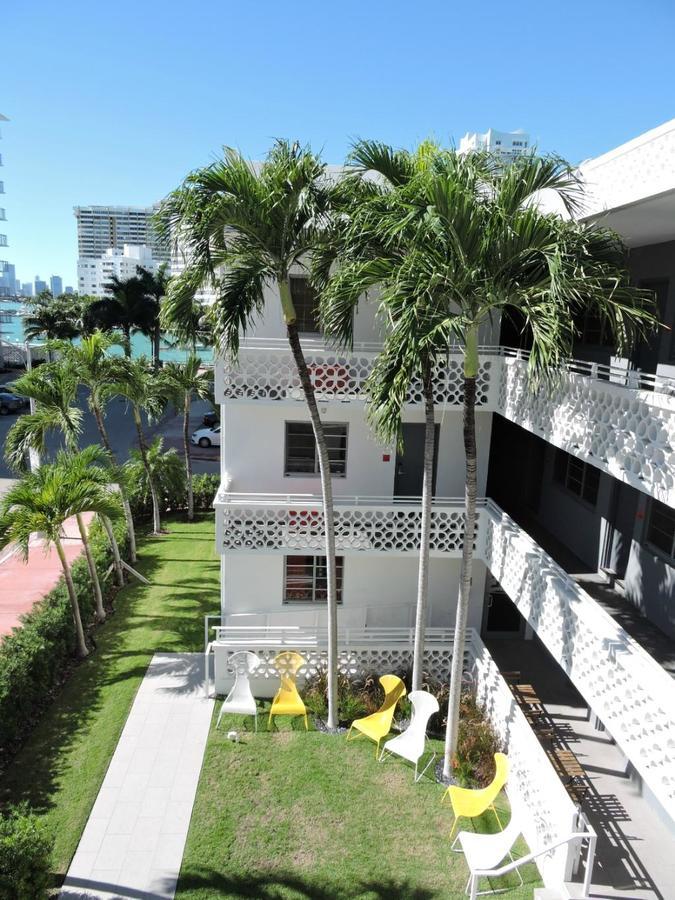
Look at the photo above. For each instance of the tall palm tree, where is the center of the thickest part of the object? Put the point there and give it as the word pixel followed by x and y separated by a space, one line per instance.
pixel 157 467
pixel 243 228
pixel 127 308
pixel 41 502
pixel 53 388
pixel 484 247
pixel 95 369
pixel 155 285
pixel 185 381
pixel 55 318
pixel 145 392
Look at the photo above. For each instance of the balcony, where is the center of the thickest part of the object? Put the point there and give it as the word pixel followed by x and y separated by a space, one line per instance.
pixel 620 681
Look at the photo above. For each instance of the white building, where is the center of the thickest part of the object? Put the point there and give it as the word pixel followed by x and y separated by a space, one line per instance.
pixel 583 472
pixel 100 228
pixel 508 144
pixel 7 272
pixel 94 274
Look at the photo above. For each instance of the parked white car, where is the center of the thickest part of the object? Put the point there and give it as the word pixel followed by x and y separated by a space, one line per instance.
pixel 207 437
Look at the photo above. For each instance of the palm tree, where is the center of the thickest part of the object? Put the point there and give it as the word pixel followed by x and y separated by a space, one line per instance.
pixel 243 228
pixel 41 502
pixel 158 467
pixel 53 387
pixel 96 370
pixel 482 248
pixel 127 308
pixel 155 285
pixel 145 392
pixel 55 318
pixel 185 381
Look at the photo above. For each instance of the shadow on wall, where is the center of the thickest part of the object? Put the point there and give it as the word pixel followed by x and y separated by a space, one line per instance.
pixel 650 587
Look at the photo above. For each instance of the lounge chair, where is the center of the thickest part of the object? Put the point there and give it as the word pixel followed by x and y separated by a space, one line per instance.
pixel 484 852
pixel 287 701
pixel 378 724
pixel 410 744
pixel 240 700
pixel 470 803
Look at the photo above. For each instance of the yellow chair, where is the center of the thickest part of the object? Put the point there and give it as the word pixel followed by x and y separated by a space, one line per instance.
pixel 288 701
pixel 469 803
pixel 378 724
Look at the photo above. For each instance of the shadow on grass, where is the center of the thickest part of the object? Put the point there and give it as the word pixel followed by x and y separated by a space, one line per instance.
pixel 287 885
pixel 81 727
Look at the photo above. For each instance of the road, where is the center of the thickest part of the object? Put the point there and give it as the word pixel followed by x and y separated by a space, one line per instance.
pixel 120 427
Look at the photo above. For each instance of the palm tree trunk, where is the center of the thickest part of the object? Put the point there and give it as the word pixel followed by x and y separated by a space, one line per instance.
pixel 117 559
pixel 156 518
pixel 127 341
pixel 91 565
pixel 425 531
pixel 103 431
pixel 74 605
pixel 156 335
pixel 327 496
pixel 188 459
pixel 470 491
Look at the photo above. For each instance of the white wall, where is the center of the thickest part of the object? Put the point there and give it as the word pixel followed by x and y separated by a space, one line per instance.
pixel 385 585
pixel 252 453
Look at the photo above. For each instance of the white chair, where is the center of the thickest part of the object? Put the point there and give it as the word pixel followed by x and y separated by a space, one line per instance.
pixel 410 743
pixel 484 852
pixel 240 699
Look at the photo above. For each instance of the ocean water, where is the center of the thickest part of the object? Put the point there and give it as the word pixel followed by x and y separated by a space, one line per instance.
pixel 11 329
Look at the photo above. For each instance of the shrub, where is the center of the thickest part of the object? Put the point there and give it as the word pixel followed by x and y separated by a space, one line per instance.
pixel 352 701
pixel 204 488
pixel 35 656
pixel 25 855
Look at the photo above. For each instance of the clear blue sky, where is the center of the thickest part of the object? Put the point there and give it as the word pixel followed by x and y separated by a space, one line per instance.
pixel 115 102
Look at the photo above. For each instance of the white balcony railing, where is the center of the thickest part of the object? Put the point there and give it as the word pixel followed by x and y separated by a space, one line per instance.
pixel 620 681
pixel 270 523
pixel 620 420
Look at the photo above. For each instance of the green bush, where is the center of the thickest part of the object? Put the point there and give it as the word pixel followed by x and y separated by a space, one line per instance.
pixel 204 489
pixel 25 855
pixel 35 656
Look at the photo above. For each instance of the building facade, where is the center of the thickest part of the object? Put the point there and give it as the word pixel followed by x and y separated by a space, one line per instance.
pixel 507 144
pixel 7 272
pixel 101 228
pixel 56 285
pixel 94 274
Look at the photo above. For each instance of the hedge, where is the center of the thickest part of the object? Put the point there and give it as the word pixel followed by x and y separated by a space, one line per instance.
pixel 25 855
pixel 204 488
pixel 35 656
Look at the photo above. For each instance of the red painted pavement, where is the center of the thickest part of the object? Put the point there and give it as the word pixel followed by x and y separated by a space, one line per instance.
pixel 24 583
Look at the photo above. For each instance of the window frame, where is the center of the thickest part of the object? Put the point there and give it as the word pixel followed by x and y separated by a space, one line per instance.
pixel 565 479
pixel 656 506
pixel 315 473
pixel 339 570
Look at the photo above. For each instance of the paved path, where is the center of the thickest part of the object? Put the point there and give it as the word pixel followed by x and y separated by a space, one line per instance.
pixel 24 583
pixel 132 845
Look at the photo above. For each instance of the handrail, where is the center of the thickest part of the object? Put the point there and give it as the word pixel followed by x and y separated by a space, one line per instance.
pixel 273 499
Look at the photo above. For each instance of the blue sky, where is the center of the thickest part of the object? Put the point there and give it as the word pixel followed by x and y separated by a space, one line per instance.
pixel 116 102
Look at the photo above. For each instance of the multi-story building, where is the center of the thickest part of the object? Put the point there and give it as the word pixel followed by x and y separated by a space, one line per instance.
pixel 39 285
pixel 101 228
pixel 575 551
pixel 26 289
pixel 69 289
pixel 507 144
pixel 56 285
pixel 94 274
pixel 7 273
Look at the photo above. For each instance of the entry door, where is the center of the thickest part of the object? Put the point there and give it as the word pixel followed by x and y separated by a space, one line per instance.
pixel 410 464
pixel 646 354
pixel 501 618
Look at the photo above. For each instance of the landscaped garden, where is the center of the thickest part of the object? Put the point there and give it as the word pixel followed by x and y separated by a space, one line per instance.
pixel 290 814
pixel 61 767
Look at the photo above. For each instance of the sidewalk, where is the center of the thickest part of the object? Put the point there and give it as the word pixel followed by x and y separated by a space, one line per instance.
pixel 132 845
pixel 24 583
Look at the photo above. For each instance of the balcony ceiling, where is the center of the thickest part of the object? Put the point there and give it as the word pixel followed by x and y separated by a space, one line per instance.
pixel 648 221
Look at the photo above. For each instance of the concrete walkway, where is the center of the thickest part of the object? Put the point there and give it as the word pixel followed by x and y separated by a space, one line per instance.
pixel 132 845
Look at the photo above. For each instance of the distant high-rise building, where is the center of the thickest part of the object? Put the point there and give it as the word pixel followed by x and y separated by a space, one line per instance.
pixel 56 285
pixel 40 285
pixel 102 228
pixel 26 289
pixel 68 289
pixel 94 274
pixel 508 144
pixel 7 272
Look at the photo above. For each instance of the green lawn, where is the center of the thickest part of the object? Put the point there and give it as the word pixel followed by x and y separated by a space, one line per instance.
pixel 296 815
pixel 62 766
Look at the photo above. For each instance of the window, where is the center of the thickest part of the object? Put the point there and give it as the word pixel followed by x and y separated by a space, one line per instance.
pixel 301 457
pixel 306 304
pixel 578 477
pixel 305 579
pixel 661 528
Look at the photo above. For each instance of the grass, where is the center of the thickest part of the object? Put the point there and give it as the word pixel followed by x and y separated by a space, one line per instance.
pixel 61 767
pixel 290 814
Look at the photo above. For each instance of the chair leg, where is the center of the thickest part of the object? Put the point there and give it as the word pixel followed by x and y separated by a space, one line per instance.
pixel 306 725
pixel 220 716
pixel 255 720
pixel 499 822
pixel 421 775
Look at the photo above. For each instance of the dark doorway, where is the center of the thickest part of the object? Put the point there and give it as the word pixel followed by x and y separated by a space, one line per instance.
pixel 410 464
pixel 516 467
pixel 500 617
pixel 646 355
